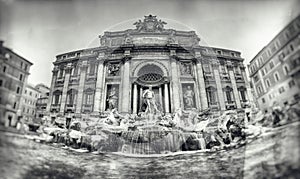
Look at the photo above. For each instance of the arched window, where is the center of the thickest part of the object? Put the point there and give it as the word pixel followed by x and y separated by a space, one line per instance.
pixel 229 94
pixel 56 97
pixel 211 95
pixel 243 93
pixel 61 73
pixel 71 96
pixel 89 96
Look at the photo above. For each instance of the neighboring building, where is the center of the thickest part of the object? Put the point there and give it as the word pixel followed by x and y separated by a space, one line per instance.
pixel 30 97
pixel 42 102
pixel 44 90
pixel 181 73
pixel 14 71
pixel 274 71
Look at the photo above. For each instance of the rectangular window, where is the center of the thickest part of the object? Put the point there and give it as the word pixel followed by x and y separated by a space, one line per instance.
pixel 21 77
pixel 259 89
pixel 276 76
pixel 26 66
pixel 30 93
pixel 15 105
pixel 206 68
pixel 263 72
pixel 263 100
pixel 92 69
pixel 291 83
pixel 4 69
pixel 61 73
pixel 281 56
pixel 1 82
pixel 256 78
pixel 18 90
pixel 292 47
pixel 281 89
pixel 268 83
pixel 271 64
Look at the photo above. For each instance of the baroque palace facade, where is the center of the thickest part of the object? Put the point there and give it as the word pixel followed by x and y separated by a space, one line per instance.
pixel 181 73
pixel 275 70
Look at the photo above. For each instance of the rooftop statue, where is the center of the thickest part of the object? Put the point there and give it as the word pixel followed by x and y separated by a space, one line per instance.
pixel 150 24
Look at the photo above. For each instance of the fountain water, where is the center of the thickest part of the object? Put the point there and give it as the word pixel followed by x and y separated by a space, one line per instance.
pixel 151 134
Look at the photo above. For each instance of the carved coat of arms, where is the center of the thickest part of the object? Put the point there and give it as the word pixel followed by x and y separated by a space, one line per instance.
pixel 150 24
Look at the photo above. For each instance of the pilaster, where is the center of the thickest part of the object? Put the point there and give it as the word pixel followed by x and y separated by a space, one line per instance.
pixel 54 77
pixel 175 84
pixel 125 85
pixel 135 96
pixel 201 83
pixel 248 88
pixel 99 92
pixel 215 67
pixel 166 94
pixel 68 69
pixel 234 87
pixel 83 68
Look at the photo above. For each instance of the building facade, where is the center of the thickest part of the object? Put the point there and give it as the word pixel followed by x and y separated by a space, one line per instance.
pixel 29 98
pixel 42 101
pixel 14 71
pixel 274 71
pixel 181 73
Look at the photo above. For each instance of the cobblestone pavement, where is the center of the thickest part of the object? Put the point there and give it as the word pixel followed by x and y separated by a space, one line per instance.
pixel 274 155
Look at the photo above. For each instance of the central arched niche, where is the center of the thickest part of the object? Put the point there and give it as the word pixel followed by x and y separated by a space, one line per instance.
pixel 150 74
pixel 154 75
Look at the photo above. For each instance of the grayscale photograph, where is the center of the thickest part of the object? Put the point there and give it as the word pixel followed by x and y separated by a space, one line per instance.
pixel 149 89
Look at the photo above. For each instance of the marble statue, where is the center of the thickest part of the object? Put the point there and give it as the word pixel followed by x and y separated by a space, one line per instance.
pixel 149 100
pixel 112 99
pixel 189 97
pixel 113 69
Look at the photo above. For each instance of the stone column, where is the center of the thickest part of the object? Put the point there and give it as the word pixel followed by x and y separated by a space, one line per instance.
pixel 125 87
pixel 248 88
pixel 79 101
pixel 234 87
pixel 99 86
pixel 215 66
pixel 65 88
pixel 175 85
pixel 141 98
pixel 166 92
pixel 54 77
pixel 160 96
pixel 201 83
pixel 135 96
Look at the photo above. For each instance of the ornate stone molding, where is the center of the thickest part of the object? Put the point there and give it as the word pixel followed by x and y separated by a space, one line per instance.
pixel 126 58
pixel 83 65
pixel 150 24
pixel 154 62
pixel 215 64
pixel 68 68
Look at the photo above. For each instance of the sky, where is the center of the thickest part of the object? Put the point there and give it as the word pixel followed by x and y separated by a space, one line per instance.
pixel 39 30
